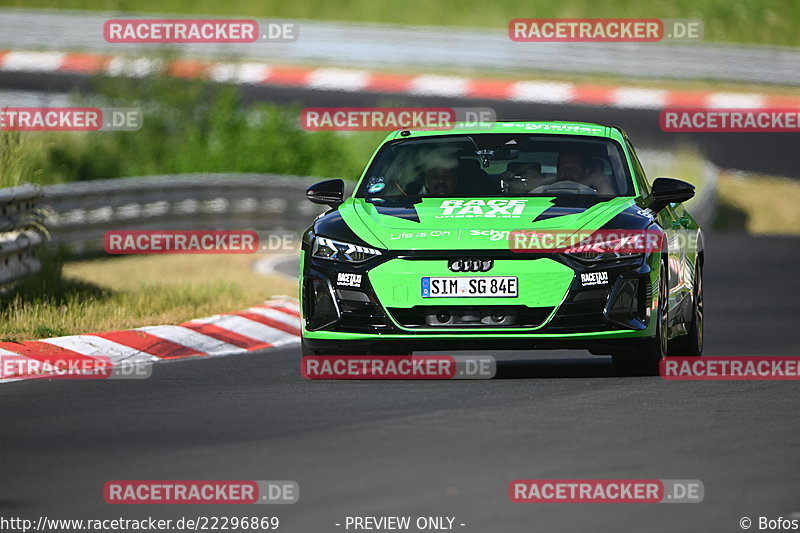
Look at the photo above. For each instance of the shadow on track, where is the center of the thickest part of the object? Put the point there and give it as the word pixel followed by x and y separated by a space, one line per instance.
pixel 596 367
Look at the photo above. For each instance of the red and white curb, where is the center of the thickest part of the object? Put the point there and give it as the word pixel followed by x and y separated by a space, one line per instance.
pixel 274 324
pixel 336 79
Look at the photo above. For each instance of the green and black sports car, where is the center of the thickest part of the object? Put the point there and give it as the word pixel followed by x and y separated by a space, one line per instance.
pixel 430 252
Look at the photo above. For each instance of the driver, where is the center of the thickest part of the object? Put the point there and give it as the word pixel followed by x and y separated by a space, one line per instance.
pixel 572 166
pixel 440 177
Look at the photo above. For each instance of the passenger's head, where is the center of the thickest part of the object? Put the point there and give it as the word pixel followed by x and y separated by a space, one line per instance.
pixel 597 168
pixel 572 166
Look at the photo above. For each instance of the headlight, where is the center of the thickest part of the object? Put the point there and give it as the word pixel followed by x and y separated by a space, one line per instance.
pixel 595 257
pixel 346 252
pixel 608 248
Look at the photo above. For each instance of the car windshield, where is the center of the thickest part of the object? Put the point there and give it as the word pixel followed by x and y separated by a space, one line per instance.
pixel 492 165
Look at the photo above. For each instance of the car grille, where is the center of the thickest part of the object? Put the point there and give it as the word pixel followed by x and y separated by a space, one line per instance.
pixel 475 316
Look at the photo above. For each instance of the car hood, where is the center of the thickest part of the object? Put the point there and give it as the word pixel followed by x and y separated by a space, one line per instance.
pixel 473 223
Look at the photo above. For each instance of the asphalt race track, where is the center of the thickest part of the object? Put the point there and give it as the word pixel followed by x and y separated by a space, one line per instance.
pixel 437 448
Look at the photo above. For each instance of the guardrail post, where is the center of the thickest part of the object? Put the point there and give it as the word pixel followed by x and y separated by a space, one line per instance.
pixel 21 223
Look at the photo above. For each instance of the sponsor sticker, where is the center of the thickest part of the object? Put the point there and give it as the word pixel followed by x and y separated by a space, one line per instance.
pixel 493 234
pixel 346 279
pixel 594 278
pixel 491 208
pixel 419 234
pixel 588 130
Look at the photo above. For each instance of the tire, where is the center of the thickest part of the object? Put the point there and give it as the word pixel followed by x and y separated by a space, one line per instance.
pixel 691 344
pixel 645 360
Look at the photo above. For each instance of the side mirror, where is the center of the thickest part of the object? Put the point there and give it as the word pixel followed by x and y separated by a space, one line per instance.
pixel 669 191
pixel 328 192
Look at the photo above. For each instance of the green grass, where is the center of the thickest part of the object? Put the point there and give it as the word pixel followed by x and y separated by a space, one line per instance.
pixel 743 21
pixel 768 204
pixel 189 127
pixel 17 155
pixel 756 203
pixel 686 164
pixel 130 292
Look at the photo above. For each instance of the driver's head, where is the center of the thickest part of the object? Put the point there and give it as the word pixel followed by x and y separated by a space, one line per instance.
pixel 441 181
pixel 571 166
pixel 440 177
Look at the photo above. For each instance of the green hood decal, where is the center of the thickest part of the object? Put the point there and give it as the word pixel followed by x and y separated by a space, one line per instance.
pixel 471 223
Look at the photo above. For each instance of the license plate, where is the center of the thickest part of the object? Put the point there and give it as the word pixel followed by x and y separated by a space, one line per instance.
pixel 466 287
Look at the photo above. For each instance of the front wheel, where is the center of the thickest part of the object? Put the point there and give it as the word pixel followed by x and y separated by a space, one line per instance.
pixel 645 360
pixel 691 344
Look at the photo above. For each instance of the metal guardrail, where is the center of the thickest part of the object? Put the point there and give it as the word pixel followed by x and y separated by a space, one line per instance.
pixel 84 211
pixel 19 233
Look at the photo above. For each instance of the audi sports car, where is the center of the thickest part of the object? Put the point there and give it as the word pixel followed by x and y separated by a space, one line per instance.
pixel 430 251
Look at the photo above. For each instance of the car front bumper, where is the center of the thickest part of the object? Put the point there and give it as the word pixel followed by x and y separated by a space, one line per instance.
pixel 380 302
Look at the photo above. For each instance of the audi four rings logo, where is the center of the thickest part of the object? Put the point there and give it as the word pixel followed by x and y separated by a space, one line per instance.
pixel 471 265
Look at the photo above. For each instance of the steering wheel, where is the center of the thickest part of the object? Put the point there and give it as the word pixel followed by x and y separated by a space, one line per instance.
pixel 561 187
